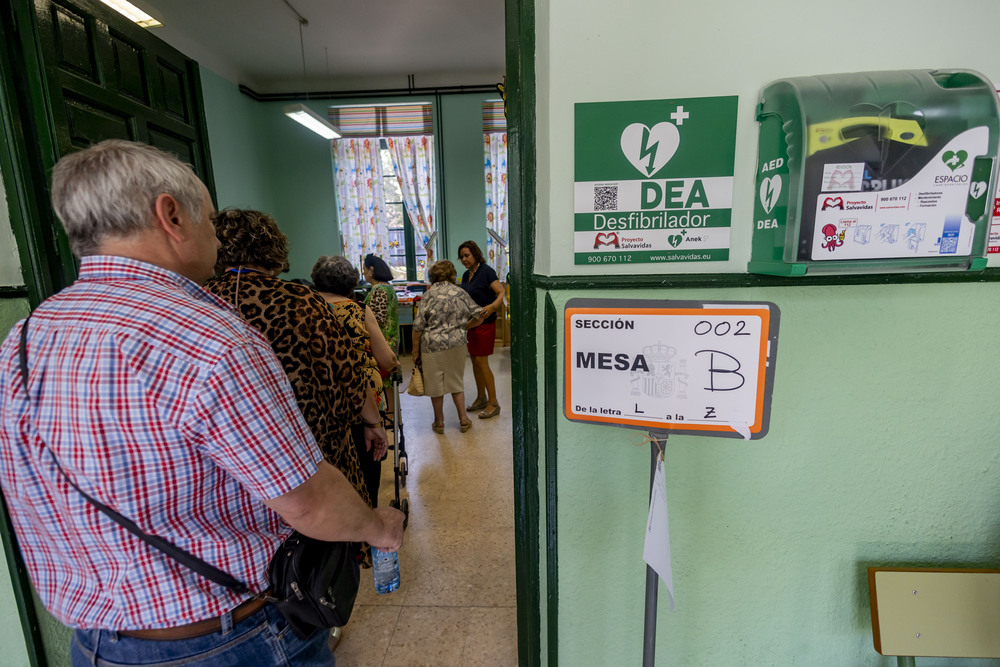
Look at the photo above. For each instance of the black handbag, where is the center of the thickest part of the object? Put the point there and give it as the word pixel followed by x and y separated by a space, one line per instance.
pixel 313 583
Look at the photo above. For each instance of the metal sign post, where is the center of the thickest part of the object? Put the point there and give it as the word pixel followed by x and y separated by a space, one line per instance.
pixel 690 367
pixel 652 580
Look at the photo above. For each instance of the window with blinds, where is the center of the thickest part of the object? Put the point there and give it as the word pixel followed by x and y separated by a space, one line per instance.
pixel 390 120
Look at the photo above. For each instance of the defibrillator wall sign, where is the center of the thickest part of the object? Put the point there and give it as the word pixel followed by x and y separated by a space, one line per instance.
pixel 654 180
pixel 704 367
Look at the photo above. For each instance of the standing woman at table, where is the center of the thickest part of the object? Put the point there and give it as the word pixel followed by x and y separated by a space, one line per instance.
pixel 482 284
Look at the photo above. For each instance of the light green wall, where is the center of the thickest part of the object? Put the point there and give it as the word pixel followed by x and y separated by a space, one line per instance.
pixel 240 161
pixel 11 635
pixel 10 263
pixel 660 50
pixel 300 170
pixel 263 160
pixel 882 449
pixel 882 446
pixel 464 178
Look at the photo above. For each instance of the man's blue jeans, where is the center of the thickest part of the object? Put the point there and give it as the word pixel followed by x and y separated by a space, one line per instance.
pixel 262 638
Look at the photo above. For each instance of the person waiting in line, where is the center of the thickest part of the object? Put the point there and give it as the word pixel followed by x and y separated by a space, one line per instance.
pixel 382 301
pixel 335 279
pixel 446 312
pixel 326 372
pixel 482 284
pixel 152 396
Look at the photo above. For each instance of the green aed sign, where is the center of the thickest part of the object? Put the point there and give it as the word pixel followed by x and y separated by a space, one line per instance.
pixel 654 180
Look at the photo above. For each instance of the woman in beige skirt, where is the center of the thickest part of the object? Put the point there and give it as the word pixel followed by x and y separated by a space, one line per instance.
pixel 445 313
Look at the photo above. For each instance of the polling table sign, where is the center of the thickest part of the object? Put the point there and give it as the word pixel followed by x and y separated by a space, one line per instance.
pixel 653 180
pixel 692 367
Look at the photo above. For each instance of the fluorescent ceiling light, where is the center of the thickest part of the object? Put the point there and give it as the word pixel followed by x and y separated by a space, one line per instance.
pixel 300 113
pixel 133 13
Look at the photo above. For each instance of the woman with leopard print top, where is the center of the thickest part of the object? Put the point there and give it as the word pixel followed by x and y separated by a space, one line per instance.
pixel 325 370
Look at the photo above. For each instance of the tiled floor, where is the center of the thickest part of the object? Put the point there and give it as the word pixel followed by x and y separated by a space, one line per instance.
pixel 456 602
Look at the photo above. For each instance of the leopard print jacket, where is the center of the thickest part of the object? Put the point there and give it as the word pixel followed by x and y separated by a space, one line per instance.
pixel 325 370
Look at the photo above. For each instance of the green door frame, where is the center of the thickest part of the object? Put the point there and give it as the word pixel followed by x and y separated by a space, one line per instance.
pixel 22 164
pixel 521 183
pixel 30 155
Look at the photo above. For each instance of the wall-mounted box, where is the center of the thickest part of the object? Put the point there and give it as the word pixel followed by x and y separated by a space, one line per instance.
pixel 875 172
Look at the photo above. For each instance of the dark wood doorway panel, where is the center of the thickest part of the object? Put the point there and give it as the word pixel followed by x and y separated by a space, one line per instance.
pixel 104 77
pixel 108 78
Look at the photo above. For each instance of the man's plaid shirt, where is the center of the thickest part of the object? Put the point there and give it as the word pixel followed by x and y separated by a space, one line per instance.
pixel 160 402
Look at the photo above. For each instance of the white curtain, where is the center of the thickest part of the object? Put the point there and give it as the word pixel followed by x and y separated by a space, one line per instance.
pixel 358 180
pixel 497 243
pixel 413 158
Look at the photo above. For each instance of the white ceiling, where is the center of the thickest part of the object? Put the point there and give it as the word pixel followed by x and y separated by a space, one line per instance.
pixel 348 44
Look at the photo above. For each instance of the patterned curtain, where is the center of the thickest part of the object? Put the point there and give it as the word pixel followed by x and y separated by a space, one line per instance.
pixel 497 242
pixel 413 158
pixel 358 179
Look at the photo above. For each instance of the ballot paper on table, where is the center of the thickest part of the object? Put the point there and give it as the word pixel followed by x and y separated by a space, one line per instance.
pixel 656 551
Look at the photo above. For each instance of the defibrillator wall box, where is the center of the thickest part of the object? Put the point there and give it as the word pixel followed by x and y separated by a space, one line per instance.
pixel 875 172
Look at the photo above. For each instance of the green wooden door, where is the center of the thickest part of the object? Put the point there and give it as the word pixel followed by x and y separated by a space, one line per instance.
pixel 103 77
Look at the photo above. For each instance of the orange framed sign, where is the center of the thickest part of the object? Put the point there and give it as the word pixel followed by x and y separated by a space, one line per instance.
pixel 694 367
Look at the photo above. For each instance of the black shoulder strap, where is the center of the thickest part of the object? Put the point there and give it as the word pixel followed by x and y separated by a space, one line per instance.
pixel 206 570
pixel 22 353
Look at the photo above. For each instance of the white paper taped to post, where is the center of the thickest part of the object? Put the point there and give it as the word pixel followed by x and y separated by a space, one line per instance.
pixel 695 367
pixel 656 548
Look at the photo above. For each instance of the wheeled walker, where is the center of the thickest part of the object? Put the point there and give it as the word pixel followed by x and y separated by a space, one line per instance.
pixel 398 447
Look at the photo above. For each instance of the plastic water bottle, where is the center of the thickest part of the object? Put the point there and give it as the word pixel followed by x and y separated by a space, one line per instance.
pixel 385 566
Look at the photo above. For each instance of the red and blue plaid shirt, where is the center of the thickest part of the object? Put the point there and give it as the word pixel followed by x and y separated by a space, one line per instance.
pixel 160 402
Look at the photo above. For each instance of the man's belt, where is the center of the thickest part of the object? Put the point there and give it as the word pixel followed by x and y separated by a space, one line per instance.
pixel 198 628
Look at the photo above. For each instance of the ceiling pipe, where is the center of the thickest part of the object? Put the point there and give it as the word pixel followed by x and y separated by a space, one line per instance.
pixel 381 92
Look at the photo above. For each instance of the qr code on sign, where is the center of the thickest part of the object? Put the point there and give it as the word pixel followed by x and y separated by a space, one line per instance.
pixel 606 198
pixel 949 245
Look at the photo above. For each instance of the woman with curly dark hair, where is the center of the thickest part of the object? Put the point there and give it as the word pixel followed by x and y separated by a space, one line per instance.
pixel 325 370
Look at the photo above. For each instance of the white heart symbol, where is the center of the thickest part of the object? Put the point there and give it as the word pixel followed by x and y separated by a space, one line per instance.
pixel 770 188
pixel 649 149
pixel 978 188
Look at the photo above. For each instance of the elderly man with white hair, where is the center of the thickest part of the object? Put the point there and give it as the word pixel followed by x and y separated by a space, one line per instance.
pixel 149 394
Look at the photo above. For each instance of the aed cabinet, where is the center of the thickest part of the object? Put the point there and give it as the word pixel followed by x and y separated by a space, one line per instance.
pixel 875 172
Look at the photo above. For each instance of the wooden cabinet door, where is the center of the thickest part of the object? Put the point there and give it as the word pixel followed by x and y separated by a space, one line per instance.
pixel 106 78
